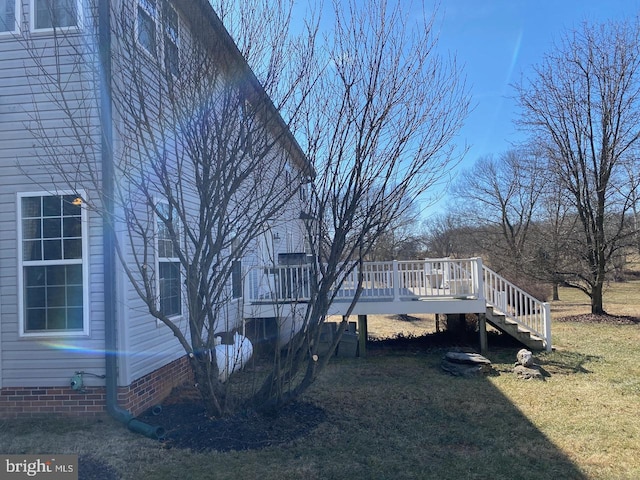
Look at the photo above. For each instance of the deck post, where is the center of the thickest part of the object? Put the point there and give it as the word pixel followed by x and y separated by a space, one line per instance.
pixel 362 335
pixel 482 327
pixel 396 282
pixel 547 325
pixel 479 274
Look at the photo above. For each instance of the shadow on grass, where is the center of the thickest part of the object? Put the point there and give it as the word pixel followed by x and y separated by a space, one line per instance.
pixel 565 363
pixel 392 415
pixel 423 423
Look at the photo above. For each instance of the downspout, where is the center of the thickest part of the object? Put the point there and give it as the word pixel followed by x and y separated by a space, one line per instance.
pixel 108 247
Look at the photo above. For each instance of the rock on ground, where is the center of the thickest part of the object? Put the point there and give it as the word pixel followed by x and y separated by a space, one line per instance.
pixel 525 358
pixel 465 364
pixel 528 373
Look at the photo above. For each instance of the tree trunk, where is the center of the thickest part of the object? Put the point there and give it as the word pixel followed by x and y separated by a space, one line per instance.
pixel 596 299
pixel 206 382
pixel 556 292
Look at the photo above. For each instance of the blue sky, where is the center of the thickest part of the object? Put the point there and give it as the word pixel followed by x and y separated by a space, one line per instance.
pixel 498 41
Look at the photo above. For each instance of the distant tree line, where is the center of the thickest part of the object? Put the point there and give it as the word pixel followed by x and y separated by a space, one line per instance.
pixel 562 208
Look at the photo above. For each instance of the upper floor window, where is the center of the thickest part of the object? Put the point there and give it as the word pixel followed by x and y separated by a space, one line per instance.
pixel 157 31
pixel 171 39
pixel 49 14
pixel 168 264
pixel 9 16
pixel 52 264
pixel 146 30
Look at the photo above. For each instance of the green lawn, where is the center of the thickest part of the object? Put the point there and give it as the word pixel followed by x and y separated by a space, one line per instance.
pixel 398 416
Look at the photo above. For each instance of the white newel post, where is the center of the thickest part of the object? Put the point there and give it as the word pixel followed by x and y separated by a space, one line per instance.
pixel 479 278
pixel 546 308
pixel 396 282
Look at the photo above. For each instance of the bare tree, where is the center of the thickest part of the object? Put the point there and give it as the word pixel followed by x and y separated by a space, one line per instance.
pixel 551 243
pixel 201 161
pixel 446 235
pixel 634 182
pixel 400 240
pixel 378 130
pixel 582 104
pixel 504 194
pixel 201 172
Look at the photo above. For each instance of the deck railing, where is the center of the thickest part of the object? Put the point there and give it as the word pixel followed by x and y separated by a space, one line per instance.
pixel 390 281
pixel 405 280
pixel 278 283
pixel 517 305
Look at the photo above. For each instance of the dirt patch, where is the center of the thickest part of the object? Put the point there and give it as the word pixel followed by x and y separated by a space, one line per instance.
pixel 438 340
pixel 606 319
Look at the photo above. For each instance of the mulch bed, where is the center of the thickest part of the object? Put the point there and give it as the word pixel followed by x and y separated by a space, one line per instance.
pixel 187 426
pixel 606 318
pixel 436 341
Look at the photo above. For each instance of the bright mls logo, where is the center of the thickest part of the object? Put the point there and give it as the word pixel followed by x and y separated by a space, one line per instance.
pixel 50 467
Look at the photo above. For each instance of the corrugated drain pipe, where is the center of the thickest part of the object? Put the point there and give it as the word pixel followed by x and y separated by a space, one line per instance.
pixel 110 316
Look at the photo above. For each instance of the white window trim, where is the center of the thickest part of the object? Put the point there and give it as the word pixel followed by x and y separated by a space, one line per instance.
pixel 85 269
pixel 32 19
pixel 17 15
pixel 157 268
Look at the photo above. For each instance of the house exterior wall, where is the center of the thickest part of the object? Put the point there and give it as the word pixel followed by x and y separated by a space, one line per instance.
pixel 35 370
pixel 37 361
pixel 140 395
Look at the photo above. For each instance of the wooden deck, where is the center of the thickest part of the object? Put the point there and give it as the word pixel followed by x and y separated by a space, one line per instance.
pixel 430 286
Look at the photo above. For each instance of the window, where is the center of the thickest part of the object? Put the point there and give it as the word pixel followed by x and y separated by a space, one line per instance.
pixel 146 27
pixel 236 279
pixel 236 268
pixel 171 39
pixel 53 270
pixel 157 31
pixel 168 265
pixel 49 14
pixel 8 16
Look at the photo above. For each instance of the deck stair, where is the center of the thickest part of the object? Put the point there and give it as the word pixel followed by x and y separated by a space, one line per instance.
pixel 514 312
pixel 522 334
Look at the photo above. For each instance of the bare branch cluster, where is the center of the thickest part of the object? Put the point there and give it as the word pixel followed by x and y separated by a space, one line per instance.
pixel 205 166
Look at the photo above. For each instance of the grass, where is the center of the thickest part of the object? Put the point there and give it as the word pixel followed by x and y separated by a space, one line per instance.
pixel 398 416
pixel 619 299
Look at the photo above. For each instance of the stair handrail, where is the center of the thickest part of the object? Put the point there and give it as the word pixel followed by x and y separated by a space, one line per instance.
pixel 517 305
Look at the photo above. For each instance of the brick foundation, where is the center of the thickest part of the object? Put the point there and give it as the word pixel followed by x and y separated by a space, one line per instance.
pixel 140 395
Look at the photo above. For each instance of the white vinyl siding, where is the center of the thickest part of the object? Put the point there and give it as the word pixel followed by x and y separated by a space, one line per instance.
pixel 52 265
pixel 47 359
